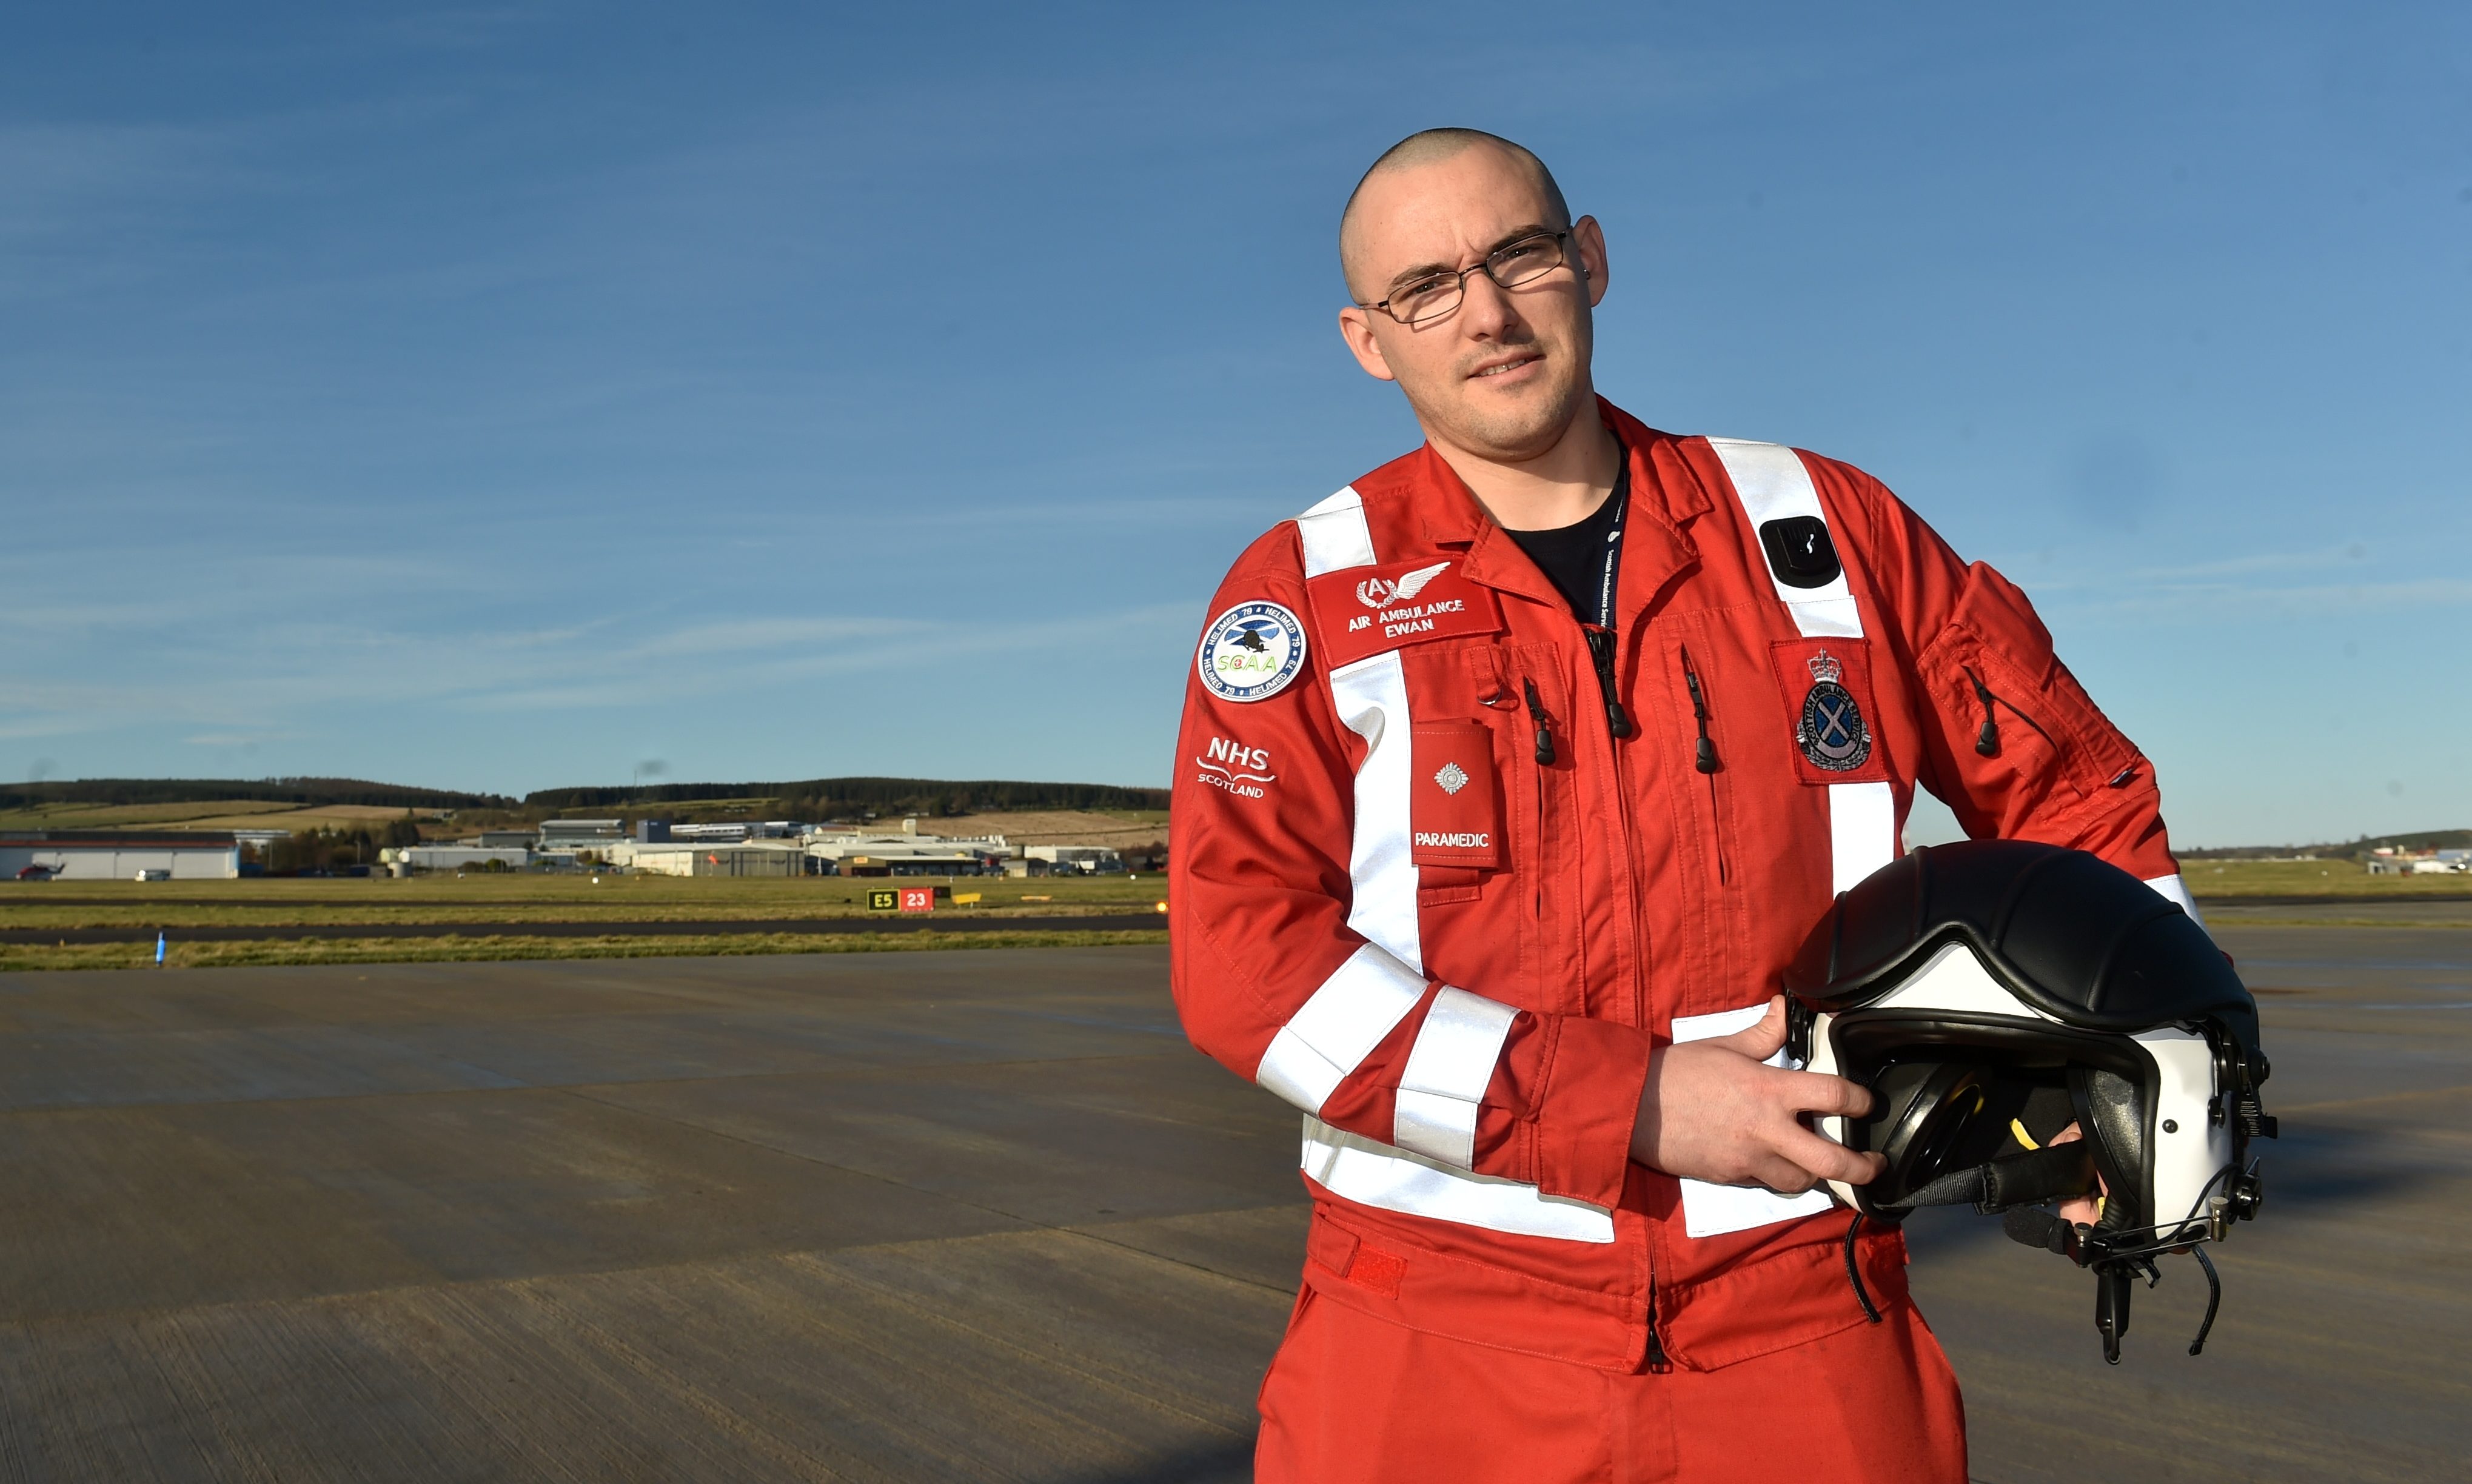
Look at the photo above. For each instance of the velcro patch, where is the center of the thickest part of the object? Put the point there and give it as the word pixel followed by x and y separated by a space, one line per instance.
pixel 1378 1270
pixel 1454 797
pixel 1359 612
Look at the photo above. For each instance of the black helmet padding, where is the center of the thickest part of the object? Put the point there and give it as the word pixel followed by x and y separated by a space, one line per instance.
pixel 2074 936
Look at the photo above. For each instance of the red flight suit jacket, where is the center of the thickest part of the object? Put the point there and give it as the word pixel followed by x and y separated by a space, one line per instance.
pixel 1453 941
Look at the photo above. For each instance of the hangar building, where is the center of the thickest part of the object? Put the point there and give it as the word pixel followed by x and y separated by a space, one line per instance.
pixel 120 854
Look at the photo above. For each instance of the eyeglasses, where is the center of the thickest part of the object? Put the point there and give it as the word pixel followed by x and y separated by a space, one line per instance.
pixel 1510 264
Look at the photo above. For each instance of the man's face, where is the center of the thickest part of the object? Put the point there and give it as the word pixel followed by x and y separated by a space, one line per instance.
pixel 1503 376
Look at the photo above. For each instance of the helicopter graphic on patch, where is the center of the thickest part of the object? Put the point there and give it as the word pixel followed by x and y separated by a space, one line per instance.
pixel 1831 732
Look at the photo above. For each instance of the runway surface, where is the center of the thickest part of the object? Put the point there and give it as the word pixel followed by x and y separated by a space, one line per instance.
pixel 985 1215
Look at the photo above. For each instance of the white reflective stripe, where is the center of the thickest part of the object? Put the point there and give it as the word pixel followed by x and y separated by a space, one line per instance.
pixel 1334 534
pixel 1449 1068
pixel 1371 698
pixel 2174 888
pixel 1714 1209
pixel 1861 831
pixel 1335 1031
pixel 1825 618
pixel 1372 695
pixel 1373 1173
pixel 1773 483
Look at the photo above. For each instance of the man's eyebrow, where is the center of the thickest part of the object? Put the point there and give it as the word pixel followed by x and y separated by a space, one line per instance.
pixel 1408 275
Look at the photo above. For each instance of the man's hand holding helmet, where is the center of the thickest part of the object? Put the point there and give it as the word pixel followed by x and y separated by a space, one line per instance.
pixel 1714 1110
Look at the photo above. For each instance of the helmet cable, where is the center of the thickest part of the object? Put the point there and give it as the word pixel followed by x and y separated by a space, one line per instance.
pixel 2214 1299
pixel 1854 1271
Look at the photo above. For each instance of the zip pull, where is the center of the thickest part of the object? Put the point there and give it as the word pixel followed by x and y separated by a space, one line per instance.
pixel 1601 648
pixel 1544 730
pixel 1987 741
pixel 1706 757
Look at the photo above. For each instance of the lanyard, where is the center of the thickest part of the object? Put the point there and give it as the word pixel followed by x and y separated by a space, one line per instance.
pixel 1611 568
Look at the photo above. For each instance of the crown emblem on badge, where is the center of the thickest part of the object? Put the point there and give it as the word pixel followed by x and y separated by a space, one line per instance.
pixel 1824 668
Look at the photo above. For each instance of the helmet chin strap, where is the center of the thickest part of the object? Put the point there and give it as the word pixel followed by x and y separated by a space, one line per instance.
pixel 2051 1173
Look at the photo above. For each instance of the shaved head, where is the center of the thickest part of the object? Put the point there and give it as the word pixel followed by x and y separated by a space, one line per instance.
pixel 1431 147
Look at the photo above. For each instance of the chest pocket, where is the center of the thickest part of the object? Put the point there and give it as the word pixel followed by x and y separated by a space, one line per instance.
pixel 1460 825
pixel 1455 814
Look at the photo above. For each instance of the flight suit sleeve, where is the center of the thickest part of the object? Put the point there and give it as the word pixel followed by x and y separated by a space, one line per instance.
pixel 2010 743
pixel 1271 980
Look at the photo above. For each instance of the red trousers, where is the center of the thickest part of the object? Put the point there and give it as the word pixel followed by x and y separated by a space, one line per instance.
pixel 1351 1398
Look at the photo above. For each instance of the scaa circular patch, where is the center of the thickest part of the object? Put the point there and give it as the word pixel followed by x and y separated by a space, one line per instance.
pixel 1832 733
pixel 1252 652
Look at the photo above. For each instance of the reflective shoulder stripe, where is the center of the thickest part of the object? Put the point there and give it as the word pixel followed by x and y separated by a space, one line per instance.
pixel 1773 483
pixel 2174 888
pixel 1335 1031
pixel 1334 534
pixel 1448 1071
pixel 1373 1173
pixel 1372 698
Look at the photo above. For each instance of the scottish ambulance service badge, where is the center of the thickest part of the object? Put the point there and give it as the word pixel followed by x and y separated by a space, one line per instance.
pixel 1831 730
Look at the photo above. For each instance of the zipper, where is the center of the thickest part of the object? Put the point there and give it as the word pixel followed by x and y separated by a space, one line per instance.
pixel 1544 759
pixel 1544 727
pixel 1705 759
pixel 1986 742
pixel 1600 653
pixel 1657 1361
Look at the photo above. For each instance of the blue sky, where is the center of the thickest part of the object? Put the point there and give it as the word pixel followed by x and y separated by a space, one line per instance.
pixel 501 397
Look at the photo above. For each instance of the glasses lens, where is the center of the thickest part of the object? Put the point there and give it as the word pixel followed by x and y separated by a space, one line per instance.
pixel 1531 257
pixel 1425 298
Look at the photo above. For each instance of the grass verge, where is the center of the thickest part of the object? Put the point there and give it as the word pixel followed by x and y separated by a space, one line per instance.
pixel 497 946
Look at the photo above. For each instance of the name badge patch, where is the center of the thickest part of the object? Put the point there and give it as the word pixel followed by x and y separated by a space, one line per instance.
pixel 1364 611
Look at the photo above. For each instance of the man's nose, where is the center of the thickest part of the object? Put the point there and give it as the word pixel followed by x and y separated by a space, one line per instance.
pixel 1485 308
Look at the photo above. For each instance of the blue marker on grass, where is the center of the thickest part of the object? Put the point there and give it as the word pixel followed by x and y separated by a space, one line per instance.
pixel 158 948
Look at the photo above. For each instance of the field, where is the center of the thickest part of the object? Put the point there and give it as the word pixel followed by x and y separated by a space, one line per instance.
pixel 497 906
pixel 496 909
pixel 2314 878
pixel 218 815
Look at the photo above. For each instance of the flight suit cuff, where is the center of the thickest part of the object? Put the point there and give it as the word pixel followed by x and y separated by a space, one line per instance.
pixel 1589 1100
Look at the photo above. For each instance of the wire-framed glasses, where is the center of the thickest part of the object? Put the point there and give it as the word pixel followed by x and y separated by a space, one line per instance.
pixel 1510 264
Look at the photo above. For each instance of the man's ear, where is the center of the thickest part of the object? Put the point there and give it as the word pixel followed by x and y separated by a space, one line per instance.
pixel 1356 327
pixel 1588 241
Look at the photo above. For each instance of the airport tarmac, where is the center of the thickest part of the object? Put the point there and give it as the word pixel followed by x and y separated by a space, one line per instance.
pixel 985 1215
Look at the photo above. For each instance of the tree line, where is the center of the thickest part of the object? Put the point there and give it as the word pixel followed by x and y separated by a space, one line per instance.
pixel 276 791
pixel 328 850
pixel 828 798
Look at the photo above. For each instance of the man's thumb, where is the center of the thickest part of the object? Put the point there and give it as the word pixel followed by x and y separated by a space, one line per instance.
pixel 1763 1040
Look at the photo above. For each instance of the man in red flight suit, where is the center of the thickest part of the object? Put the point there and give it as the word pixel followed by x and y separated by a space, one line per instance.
pixel 1510 777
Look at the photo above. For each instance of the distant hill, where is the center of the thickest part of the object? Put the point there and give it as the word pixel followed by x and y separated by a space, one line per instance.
pixel 278 791
pixel 2349 850
pixel 828 798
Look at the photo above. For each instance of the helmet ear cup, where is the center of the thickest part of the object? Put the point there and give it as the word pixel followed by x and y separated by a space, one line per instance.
pixel 2114 1112
pixel 1933 1117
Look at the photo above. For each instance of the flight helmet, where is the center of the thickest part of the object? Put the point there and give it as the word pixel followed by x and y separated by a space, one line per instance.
pixel 1992 993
